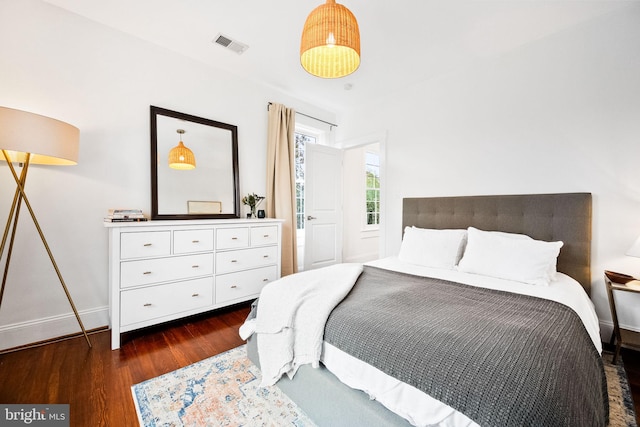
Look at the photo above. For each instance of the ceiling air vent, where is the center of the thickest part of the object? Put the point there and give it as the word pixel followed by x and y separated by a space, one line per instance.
pixel 230 44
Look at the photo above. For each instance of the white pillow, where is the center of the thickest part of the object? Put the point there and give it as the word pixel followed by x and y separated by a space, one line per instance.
pixel 509 256
pixel 432 248
pixel 553 267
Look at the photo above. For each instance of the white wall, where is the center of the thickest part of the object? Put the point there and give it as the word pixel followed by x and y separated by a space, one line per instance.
pixel 561 114
pixel 64 66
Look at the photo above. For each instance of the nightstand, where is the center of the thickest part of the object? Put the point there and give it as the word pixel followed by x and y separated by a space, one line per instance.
pixel 622 337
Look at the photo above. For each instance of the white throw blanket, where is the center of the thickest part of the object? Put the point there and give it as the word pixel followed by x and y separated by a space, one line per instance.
pixel 292 313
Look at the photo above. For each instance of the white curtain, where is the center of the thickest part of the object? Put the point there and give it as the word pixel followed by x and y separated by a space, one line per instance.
pixel 281 181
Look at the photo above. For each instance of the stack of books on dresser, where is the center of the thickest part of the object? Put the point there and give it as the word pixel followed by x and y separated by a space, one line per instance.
pixel 125 215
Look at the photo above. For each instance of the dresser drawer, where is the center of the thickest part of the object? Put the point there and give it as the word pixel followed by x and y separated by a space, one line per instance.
pixel 261 236
pixel 144 272
pixel 232 238
pixel 190 241
pixel 140 305
pixel 243 284
pixel 145 244
pixel 226 262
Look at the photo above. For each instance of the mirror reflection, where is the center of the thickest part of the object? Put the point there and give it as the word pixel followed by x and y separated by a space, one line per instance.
pixel 194 167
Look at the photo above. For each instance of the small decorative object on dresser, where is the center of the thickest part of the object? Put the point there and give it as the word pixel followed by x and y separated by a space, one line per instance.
pixel 125 215
pixel 621 336
pixel 252 200
pixel 165 270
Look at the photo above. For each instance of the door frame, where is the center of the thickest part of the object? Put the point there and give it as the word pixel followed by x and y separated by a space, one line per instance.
pixel 381 139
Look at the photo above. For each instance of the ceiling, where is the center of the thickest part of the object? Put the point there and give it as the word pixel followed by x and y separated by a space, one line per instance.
pixel 402 41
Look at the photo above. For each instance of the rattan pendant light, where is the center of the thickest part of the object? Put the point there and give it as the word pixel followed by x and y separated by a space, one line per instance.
pixel 180 157
pixel 330 46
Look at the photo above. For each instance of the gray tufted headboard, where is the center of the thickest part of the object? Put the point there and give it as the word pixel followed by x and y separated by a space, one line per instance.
pixel 549 217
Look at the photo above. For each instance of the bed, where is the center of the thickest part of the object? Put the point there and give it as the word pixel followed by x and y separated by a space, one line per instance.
pixel 561 357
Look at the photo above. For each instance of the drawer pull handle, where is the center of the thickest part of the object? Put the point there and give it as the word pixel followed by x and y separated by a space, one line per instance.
pixel 265 256
pixel 195 266
pixel 147 272
pixel 265 280
pixel 233 286
pixel 148 304
pixel 147 244
pixel 234 260
pixel 195 295
pixel 234 238
pixel 195 241
pixel 266 235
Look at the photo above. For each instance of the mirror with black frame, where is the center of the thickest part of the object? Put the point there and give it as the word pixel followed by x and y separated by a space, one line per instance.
pixel 194 167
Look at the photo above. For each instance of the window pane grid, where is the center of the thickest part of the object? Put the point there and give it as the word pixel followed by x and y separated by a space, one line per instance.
pixel 372 177
pixel 300 140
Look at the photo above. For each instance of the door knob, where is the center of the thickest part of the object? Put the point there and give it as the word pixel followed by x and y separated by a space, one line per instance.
pixel 309 218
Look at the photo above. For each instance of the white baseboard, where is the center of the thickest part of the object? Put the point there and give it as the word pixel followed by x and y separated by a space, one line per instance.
pixel 33 331
pixel 606 329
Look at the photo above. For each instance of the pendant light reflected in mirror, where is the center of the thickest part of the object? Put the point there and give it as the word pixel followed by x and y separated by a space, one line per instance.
pixel 180 157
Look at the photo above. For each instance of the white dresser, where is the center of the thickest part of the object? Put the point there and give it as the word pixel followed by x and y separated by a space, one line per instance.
pixel 165 270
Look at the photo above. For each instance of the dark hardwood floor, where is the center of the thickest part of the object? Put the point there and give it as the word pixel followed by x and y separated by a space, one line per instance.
pixel 97 382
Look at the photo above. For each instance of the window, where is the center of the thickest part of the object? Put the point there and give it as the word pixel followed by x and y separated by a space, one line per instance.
pixel 301 139
pixel 372 188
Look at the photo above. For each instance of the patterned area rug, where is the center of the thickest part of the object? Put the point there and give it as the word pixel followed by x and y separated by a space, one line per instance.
pixel 621 411
pixel 223 391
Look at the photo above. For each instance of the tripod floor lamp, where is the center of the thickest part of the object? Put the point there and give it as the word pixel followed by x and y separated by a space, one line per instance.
pixel 27 138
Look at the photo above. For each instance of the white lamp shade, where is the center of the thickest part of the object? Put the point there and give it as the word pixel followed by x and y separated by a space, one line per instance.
pixel 49 141
pixel 634 250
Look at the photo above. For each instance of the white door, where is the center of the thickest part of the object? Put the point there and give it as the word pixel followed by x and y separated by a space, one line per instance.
pixel 323 206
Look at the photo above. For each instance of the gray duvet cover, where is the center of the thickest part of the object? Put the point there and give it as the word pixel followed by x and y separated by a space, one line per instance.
pixel 502 359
